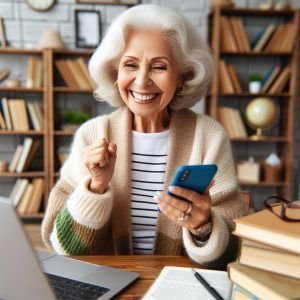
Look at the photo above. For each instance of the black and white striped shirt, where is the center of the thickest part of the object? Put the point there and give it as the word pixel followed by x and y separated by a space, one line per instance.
pixel 149 158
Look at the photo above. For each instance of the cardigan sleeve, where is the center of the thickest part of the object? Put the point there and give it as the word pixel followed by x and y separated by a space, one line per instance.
pixel 74 215
pixel 227 204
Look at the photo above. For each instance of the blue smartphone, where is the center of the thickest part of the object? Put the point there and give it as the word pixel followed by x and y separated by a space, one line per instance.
pixel 194 177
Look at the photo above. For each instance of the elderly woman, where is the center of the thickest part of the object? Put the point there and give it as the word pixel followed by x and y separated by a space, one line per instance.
pixel 153 66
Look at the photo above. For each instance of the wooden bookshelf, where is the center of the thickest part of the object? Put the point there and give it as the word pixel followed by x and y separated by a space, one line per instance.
pixel 286 99
pixel 23 92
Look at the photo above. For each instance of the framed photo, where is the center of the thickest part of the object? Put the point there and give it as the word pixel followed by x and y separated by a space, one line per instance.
pixel 87 28
pixel 116 2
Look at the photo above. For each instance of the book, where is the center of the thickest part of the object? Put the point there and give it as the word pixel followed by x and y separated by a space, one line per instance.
pixel 25 199
pixel 239 293
pixel 36 197
pixel 264 284
pixel 226 85
pixel 17 193
pixel 30 72
pixel 2 121
pixel 180 283
pixel 79 76
pixel 270 259
pixel 243 35
pixel 280 82
pixel 33 149
pixel 266 228
pixel 85 71
pixel 15 159
pixel 270 79
pixel 4 72
pixel 6 113
pixel 24 155
pixel 264 38
pixel 33 117
pixel 234 79
pixel 274 43
pixel 66 73
pixel 228 42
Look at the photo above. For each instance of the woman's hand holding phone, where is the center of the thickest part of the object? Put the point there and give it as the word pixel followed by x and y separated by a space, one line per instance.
pixel 187 201
pixel 100 158
pixel 174 208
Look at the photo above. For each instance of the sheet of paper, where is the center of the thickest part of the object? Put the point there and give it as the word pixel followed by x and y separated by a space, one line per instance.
pixel 180 283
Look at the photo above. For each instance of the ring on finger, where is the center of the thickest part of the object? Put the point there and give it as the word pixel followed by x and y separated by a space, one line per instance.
pixel 183 218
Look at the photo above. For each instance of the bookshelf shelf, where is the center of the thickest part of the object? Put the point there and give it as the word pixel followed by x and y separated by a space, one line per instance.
pixel 69 90
pixel 21 89
pixel 17 51
pixel 32 216
pixel 22 174
pixel 230 31
pixel 18 132
pixel 255 54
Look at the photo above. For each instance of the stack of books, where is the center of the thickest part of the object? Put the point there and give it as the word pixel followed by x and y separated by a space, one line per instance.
pixel 27 196
pixel 269 262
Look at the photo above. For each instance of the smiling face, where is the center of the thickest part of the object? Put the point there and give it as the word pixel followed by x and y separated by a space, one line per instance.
pixel 148 75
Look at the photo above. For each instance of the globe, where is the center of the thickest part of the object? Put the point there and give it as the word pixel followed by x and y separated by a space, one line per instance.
pixel 261 113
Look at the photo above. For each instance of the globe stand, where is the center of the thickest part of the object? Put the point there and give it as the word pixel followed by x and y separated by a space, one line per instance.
pixel 258 136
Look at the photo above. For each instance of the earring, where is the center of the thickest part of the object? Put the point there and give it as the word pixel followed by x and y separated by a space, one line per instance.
pixel 180 91
pixel 116 83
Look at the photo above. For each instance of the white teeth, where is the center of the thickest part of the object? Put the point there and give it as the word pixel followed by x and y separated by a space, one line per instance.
pixel 143 97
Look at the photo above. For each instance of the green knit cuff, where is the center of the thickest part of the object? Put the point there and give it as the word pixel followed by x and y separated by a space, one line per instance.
pixel 67 236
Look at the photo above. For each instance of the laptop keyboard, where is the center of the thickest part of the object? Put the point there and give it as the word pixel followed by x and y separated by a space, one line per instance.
pixel 65 289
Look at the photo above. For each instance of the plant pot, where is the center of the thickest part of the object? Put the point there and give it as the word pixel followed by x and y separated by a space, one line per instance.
pixel 254 86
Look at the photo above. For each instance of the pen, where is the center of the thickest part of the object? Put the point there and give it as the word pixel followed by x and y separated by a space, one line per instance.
pixel 209 288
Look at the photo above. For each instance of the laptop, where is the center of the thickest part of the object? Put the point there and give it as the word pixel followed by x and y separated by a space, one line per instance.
pixel 27 274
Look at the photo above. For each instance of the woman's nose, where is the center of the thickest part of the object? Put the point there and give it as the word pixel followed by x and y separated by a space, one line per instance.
pixel 142 78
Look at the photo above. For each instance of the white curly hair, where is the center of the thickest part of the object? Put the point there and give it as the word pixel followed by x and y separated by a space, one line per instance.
pixel 190 51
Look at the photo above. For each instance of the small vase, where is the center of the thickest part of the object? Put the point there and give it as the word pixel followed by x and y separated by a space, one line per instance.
pixel 254 86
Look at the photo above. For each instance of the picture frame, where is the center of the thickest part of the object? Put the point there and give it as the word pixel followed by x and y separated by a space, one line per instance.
pixel 111 2
pixel 87 28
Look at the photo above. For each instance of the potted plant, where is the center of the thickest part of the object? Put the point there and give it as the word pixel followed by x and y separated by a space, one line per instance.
pixel 255 80
pixel 72 119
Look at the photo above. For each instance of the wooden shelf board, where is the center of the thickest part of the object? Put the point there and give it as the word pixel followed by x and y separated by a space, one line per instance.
pixel 257 12
pixel 19 51
pixel 21 89
pixel 64 132
pixel 277 139
pixel 22 132
pixel 256 54
pixel 64 89
pixel 23 174
pixel 251 95
pixel 265 184
pixel 32 216
pixel 79 52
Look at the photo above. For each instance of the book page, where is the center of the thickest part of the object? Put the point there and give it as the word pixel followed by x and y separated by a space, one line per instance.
pixel 180 283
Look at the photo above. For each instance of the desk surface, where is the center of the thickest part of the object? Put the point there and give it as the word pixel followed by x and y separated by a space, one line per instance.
pixel 147 266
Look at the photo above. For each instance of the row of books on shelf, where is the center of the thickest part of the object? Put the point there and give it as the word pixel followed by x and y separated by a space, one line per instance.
pixel 18 114
pixel 231 119
pixel 269 263
pixel 75 74
pixel 274 81
pixel 27 196
pixel 23 155
pixel 273 38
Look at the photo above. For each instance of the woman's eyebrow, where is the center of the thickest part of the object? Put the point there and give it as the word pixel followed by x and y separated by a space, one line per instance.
pixel 152 59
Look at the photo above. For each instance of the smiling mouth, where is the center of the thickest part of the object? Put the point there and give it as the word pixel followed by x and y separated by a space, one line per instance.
pixel 144 98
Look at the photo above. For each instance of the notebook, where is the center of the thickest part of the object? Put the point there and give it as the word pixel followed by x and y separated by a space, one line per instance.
pixel 26 274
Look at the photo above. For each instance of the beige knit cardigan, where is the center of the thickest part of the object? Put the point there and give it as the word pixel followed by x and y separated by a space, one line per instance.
pixel 78 221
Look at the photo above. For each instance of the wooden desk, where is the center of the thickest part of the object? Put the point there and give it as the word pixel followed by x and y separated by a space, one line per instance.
pixel 147 266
